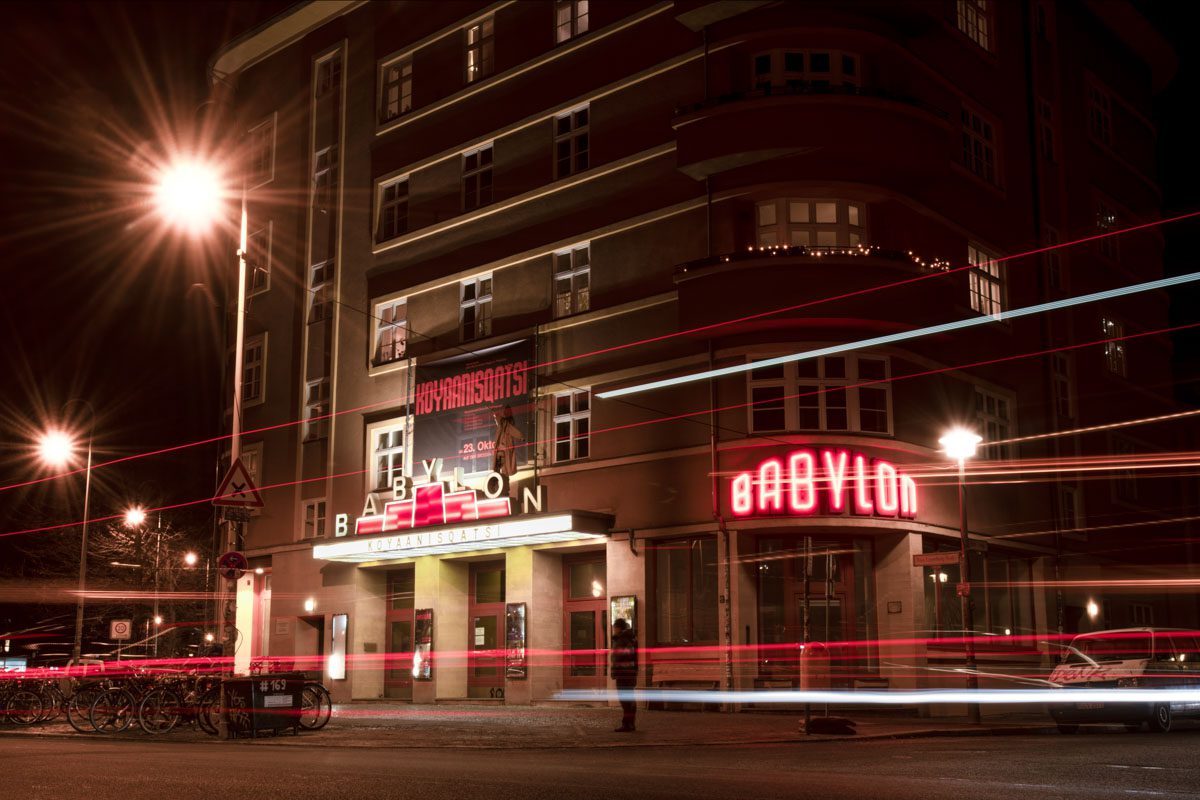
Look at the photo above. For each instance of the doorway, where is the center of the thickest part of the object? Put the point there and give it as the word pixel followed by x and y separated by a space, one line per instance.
pixel 485 615
pixel 397 666
pixel 585 622
pixel 310 646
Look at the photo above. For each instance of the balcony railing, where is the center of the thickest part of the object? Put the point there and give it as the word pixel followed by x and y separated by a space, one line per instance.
pixel 809 89
pixel 815 252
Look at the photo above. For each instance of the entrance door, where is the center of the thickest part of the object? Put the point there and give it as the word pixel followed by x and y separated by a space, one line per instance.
pixel 485 637
pixel 397 675
pixel 585 623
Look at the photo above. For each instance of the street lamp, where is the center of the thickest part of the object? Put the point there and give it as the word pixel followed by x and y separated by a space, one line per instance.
pixel 57 449
pixel 190 559
pixel 960 444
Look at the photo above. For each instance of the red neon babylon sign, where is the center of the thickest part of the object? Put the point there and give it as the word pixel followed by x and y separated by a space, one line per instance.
pixel 825 481
pixel 431 504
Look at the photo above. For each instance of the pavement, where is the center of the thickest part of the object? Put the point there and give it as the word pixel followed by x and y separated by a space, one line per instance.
pixel 562 726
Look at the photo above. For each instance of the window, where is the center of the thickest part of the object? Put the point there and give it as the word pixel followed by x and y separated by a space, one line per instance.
pixel 1052 259
pixel 834 393
pixel 1124 481
pixel 393 210
pixel 1114 348
pixel 476 308
pixel 320 289
pixel 251 457
pixel 1046 129
pixel 395 89
pixel 685 584
pixel 387 453
pixel 260 147
pixel 477 178
pixel 316 409
pixel 258 261
pixel 572 281
pixel 391 331
pixel 1106 223
pixel 789 221
pixel 314 519
pixel 480 45
pixel 325 179
pixel 572 425
pixel 254 358
pixel 975 20
pixel 1064 396
pixel 570 19
pixel 993 417
pixel 571 142
pixel 1099 114
pixel 329 75
pixel 979 146
pixel 1070 516
pixel 804 70
pixel 985 281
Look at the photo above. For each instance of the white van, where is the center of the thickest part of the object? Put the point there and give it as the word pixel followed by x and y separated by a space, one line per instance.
pixel 1143 658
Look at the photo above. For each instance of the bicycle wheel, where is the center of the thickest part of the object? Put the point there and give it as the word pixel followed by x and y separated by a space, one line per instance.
pixel 208 711
pixel 79 706
pixel 113 711
pixel 159 711
pixel 24 707
pixel 316 707
pixel 52 702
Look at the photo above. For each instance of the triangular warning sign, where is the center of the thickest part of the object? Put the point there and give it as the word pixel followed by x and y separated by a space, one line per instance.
pixel 237 490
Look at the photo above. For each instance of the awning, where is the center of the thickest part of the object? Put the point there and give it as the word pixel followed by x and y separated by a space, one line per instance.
pixel 571 526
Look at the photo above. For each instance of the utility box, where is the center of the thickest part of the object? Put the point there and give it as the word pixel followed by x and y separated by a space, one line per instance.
pixel 262 703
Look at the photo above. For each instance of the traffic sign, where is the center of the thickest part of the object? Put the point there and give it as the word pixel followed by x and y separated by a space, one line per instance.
pixel 237 489
pixel 120 630
pixel 231 565
pixel 935 559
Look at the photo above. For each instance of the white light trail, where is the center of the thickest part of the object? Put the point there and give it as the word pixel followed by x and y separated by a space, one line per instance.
pixel 916 333
pixel 930 697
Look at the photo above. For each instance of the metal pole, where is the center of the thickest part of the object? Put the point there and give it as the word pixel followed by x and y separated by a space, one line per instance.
pixel 157 554
pixel 965 599
pixel 77 649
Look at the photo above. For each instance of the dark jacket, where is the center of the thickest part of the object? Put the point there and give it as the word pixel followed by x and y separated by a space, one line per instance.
pixel 624 656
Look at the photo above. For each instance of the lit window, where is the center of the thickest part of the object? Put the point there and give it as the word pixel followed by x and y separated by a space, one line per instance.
pixel 572 425
pixel 391 332
pixel 316 409
pixel 979 146
pixel 387 454
pixel 479 44
pixel 393 210
pixel 329 75
pixel 570 19
pixel 993 417
pixel 572 281
pixel 1114 348
pixel 1046 129
pixel 320 289
pixel 258 261
pixel 477 178
pixel 1099 114
pixel 974 19
pixel 1064 396
pixel 396 89
pixel 260 168
pixel 571 142
pixel 791 71
pixel 791 221
pixel 1107 222
pixel 834 393
pixel 476 308
pixel 986 281
pixel 254 359
pixel 314 519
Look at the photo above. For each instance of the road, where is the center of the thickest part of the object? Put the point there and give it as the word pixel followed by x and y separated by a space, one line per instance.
pixel 1093 766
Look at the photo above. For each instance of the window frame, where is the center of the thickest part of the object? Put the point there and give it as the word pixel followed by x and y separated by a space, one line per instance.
pixel 319 518
pixel 399 424
pixel 484 49
pixel 379 326
pixel 403 85
pixel 318 428
pixel 571 272
pixel 571 418
pixel 477 302
pixel 981 145
pixel 382 205
pixel 260 341
pixel 781 79
pixel 1099 102
pixel 326 79
pixel 976 20
pixel 267 231
pixel 819 390
pixel 320 301
pixel 571 21
pixel 266 175
pixel 985 421
pixel 695 545
pixel 574 134
pixel 1116 356
pixel 1062 373
pixel 845 233
pixel 475 175
pixel 987 290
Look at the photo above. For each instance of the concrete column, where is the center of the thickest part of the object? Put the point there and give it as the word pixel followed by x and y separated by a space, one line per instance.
pixel 368 635
pixel 627 576
pixel 535 578
pixel 443 585
pixel 745 612
pixel 898 581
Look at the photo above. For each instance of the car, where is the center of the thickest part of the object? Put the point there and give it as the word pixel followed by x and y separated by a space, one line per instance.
pixel 1142 658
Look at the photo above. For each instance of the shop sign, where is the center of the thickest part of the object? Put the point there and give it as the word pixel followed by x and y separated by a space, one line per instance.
pixel 824 481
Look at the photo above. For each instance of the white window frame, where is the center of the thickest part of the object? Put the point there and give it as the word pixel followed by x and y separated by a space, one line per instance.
pixel 985 281
pixel 325 179
pixel 326 79
pixel 253 270
pixel 1062 371
pixel 390 323
pixel 401 85
pixel 320 290
pixel 974 19
pixel 799 390
pixel 479 42
pixel 570 19
pixel 573 418
pixel 314 518
pixel 316 409
pixel 397 455
pixel 1100 116
pixel 259 365
pixel 1115 357
pixel 806 222
pixel 261 138
pixel 398 205
pixel 980 145
pixel 780 77
pixel 480 302
pixel 575 138
pixel 993 425
pixel 572 270
pixel 474 172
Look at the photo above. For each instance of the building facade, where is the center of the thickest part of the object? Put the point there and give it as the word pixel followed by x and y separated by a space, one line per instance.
pixel 470 220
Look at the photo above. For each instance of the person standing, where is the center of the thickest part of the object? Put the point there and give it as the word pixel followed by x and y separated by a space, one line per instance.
pixel 624 669
pixel 508 436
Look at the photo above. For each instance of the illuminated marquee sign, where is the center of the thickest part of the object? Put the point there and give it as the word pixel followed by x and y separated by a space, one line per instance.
pixel 825 481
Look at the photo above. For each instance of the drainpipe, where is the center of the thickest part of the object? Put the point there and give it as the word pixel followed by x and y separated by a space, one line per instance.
pixel 722 530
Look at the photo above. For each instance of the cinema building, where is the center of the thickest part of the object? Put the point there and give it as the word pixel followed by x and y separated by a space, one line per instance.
pixel 469 221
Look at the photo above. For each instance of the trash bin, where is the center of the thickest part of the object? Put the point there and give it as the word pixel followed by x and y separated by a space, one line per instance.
pixel 260 703
pixel 814 667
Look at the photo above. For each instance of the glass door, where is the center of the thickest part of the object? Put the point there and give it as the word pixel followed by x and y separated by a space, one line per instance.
pixel 485 645
pixel 397 666
pixel 585 623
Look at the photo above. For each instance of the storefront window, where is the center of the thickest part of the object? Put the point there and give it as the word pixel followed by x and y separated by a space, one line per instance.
pixel 685 581
pixel 587 579
pixel 1000 590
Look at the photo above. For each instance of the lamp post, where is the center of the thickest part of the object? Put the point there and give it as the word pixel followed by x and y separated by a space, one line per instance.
pixel 134 518
pixel 57 448
pixel 960 444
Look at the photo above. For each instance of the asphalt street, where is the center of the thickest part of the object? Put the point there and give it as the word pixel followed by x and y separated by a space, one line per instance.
pixel 1093 765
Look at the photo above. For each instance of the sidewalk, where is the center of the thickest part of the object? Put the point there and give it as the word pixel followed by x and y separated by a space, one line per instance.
pixel 474 726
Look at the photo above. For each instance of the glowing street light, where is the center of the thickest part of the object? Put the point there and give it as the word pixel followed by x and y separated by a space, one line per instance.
pixel 56 448
pixel 157 619
pixel 190 559
pixel 960 444
pixel 134 517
